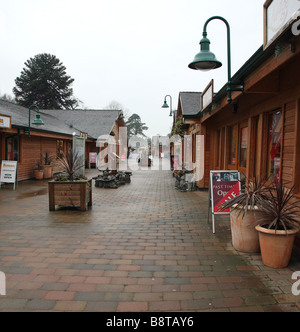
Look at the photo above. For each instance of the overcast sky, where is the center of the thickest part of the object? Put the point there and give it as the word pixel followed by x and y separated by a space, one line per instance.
pixel 131 51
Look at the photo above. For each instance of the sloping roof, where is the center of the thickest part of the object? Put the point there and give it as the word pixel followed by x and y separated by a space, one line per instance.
pixel 19 118
pixel 190 103
pixel 94 122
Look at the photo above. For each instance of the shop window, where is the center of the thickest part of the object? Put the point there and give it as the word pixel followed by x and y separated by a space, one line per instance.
pixel 238 147
pixel 275 123
pixel 233 139
pixel 59 148
pixel 69 147
pixel 13 148
pixel 243 147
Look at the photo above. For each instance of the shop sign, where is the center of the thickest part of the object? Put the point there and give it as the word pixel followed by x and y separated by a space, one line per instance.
pixel 5 121
pixel 207 96
pixel 278 16
pixel 224 185
pixel 92 158
pixel 84 135
pixel 79 149
pixel 9 172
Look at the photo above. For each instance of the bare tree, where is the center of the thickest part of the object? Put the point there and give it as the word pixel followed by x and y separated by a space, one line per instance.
pixel 115 105
pixel 7 97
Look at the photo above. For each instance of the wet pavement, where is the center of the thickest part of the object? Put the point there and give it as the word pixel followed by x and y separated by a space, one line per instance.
pixel 142 247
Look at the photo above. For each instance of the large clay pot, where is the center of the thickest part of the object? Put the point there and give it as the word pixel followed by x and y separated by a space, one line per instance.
pixel 38 174
pixel 48 172
pixel 243 232
pixel 276 246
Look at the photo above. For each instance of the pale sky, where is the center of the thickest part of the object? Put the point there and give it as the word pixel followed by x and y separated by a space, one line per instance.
pixel 131 51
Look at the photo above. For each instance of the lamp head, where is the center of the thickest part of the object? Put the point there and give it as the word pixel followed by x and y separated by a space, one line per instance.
pixel 165 105
pixel 205 60
pixel 37 120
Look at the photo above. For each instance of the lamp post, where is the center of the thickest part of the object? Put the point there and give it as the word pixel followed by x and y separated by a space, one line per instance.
pixel 206 60
pixel 37 120
pixel 165 105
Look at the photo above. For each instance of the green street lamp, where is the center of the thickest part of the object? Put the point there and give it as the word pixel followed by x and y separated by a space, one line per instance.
pixel 206 60
pixel 165 105
pixel 37 120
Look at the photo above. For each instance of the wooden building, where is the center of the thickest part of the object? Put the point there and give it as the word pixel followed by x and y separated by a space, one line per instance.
pixel 187 116
pixel 259 132
pixel 54 137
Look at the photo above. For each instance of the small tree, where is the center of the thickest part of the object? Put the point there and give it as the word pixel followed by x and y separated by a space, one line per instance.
pixel 44 82
pixel 178 128
pixel 135 126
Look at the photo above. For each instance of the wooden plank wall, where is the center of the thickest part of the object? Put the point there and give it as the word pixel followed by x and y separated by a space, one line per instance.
pixel 289 128
pixel 30 153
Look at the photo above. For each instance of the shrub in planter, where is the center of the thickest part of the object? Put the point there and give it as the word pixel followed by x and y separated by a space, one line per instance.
pixel 244 215
pixel 69 189
pixel 278 228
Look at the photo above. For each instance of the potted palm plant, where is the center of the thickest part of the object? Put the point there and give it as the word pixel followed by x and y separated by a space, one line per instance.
pixel 279 226
pixel 47 160
pixel 38 172
pixel 244 214
pixel 68 188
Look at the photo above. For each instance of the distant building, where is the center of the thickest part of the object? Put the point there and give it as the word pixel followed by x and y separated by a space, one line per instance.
pixel 55 136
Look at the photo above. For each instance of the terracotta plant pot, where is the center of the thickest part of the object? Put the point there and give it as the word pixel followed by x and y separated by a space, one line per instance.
pixel 243 232
pixel 47 172
pixel 38 174
pixel 276 246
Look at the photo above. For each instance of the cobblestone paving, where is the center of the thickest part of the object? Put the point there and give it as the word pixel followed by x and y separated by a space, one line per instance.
pixel 141 247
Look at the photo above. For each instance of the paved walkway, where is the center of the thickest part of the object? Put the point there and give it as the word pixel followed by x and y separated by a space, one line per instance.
pixel 142 247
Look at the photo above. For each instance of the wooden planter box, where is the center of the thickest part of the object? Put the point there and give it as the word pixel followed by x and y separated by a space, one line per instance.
pixel 77 194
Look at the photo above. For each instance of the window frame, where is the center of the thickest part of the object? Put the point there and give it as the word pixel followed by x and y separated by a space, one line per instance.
pixel 238 128
pixel 230 146
pixel 12 138
pixel 267 144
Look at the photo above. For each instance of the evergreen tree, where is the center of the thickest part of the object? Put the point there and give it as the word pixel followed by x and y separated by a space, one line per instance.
pixel 44 82
pixel 135 126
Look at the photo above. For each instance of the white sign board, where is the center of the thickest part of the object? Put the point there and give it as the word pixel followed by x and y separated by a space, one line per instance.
pixel 9 172
pixel 278 14
pixel 79 147
pixel 5 121
pixel 207 96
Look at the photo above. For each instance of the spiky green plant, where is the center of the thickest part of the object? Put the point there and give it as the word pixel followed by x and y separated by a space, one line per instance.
pixel 255 191
pixel 70 164
pixel 281 210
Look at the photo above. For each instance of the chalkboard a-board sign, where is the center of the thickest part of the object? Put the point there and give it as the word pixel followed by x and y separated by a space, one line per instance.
pixel 223 186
